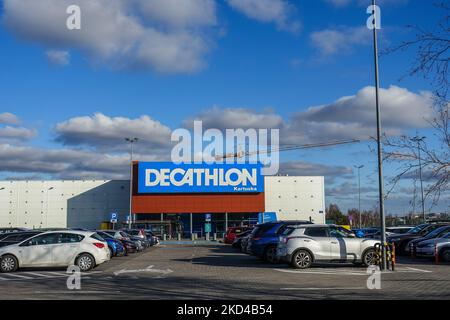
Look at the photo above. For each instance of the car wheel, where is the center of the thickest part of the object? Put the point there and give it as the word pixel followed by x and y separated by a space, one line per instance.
pixel 369 258
pixel 302 259
pixel 445 255
pixel 8 263
pixel 85 262
pixel 271 254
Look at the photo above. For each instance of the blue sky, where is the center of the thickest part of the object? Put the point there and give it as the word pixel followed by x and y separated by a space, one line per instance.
pixel 273 58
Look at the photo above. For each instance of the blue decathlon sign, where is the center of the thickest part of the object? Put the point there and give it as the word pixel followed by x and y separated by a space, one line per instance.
pixel 167 177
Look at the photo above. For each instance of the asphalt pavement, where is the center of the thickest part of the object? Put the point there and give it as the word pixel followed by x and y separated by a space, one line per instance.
pixel 215 271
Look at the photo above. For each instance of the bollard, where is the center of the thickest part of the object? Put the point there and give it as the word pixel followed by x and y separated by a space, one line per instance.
pixel 192 236
pixel 412 250
pixel 207 236
pixel 388 258
pixel 179 236
pixel 214 236
pixel 436 254
pixel 393 256
pixel 164 237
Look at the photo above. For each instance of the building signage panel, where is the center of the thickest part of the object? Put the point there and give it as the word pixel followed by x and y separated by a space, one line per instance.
pixel 167 177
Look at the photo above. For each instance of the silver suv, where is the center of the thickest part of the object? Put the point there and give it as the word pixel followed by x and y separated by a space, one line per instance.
pixel 302 245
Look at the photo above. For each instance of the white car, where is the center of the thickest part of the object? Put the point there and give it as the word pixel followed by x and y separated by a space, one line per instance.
pixel 303 245
pixel 84 249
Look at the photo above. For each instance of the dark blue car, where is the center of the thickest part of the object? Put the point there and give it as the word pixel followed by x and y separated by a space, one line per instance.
pixel 264 238
pixel 115 246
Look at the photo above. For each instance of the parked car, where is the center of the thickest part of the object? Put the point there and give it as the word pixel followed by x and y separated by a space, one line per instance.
pixel 56 249
pixel 264 238
pixel 126 239
pixel 427 248
pixel 399 229
pixel 7 239
pixel 116 247
pixel 139 234
pixel 238 239
pixel 232 232
pixel 9 230
pixel 154 240
pixel 401 241
pixel 436 233
pixel 244 243
pixel 301 246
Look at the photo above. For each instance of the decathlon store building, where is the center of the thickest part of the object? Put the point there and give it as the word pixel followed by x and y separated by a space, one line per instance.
pixel 167 198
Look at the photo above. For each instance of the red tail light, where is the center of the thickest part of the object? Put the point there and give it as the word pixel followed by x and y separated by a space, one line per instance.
pixel 99 245
pixel 256 238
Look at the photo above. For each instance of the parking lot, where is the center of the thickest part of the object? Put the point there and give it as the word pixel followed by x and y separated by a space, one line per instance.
pixel 216 271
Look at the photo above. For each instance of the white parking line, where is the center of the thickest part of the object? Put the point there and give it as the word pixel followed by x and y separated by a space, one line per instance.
pixel 18 276
pixel 39 274
pixel 419 270
pixel 61 274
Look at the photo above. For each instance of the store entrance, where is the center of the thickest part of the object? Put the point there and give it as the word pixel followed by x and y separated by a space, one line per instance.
pixel 199 224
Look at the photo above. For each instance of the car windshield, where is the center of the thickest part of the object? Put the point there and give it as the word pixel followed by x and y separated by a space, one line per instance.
pixel 417 229
pixel 287 231
pixel 437 232
pixel 104 235
pixel 446 236
pixel 259 230
pixel 97 237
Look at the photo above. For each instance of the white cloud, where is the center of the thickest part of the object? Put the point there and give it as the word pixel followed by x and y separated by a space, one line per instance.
pixel 229 118
pixel 109 133
pixel 180 13
pixel 58 57
pixel 9 118
pixel 118 33
pixel 66 163
pixel 9 133
pixel 354 116
pixel 349 117
pixel 339 40
pixel 302 168
pixel 279 12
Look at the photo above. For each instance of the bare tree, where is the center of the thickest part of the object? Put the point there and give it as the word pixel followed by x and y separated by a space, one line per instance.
pixel 431 62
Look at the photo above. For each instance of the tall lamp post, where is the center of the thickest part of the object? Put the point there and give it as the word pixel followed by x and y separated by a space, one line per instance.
pixel 359 192
pixel 419 140
pixel 131 141
pixel 380 155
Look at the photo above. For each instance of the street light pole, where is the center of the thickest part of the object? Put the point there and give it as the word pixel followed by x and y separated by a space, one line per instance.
pixel 131 141
pixel 419 140
pixel 359 192
pixel 380 155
